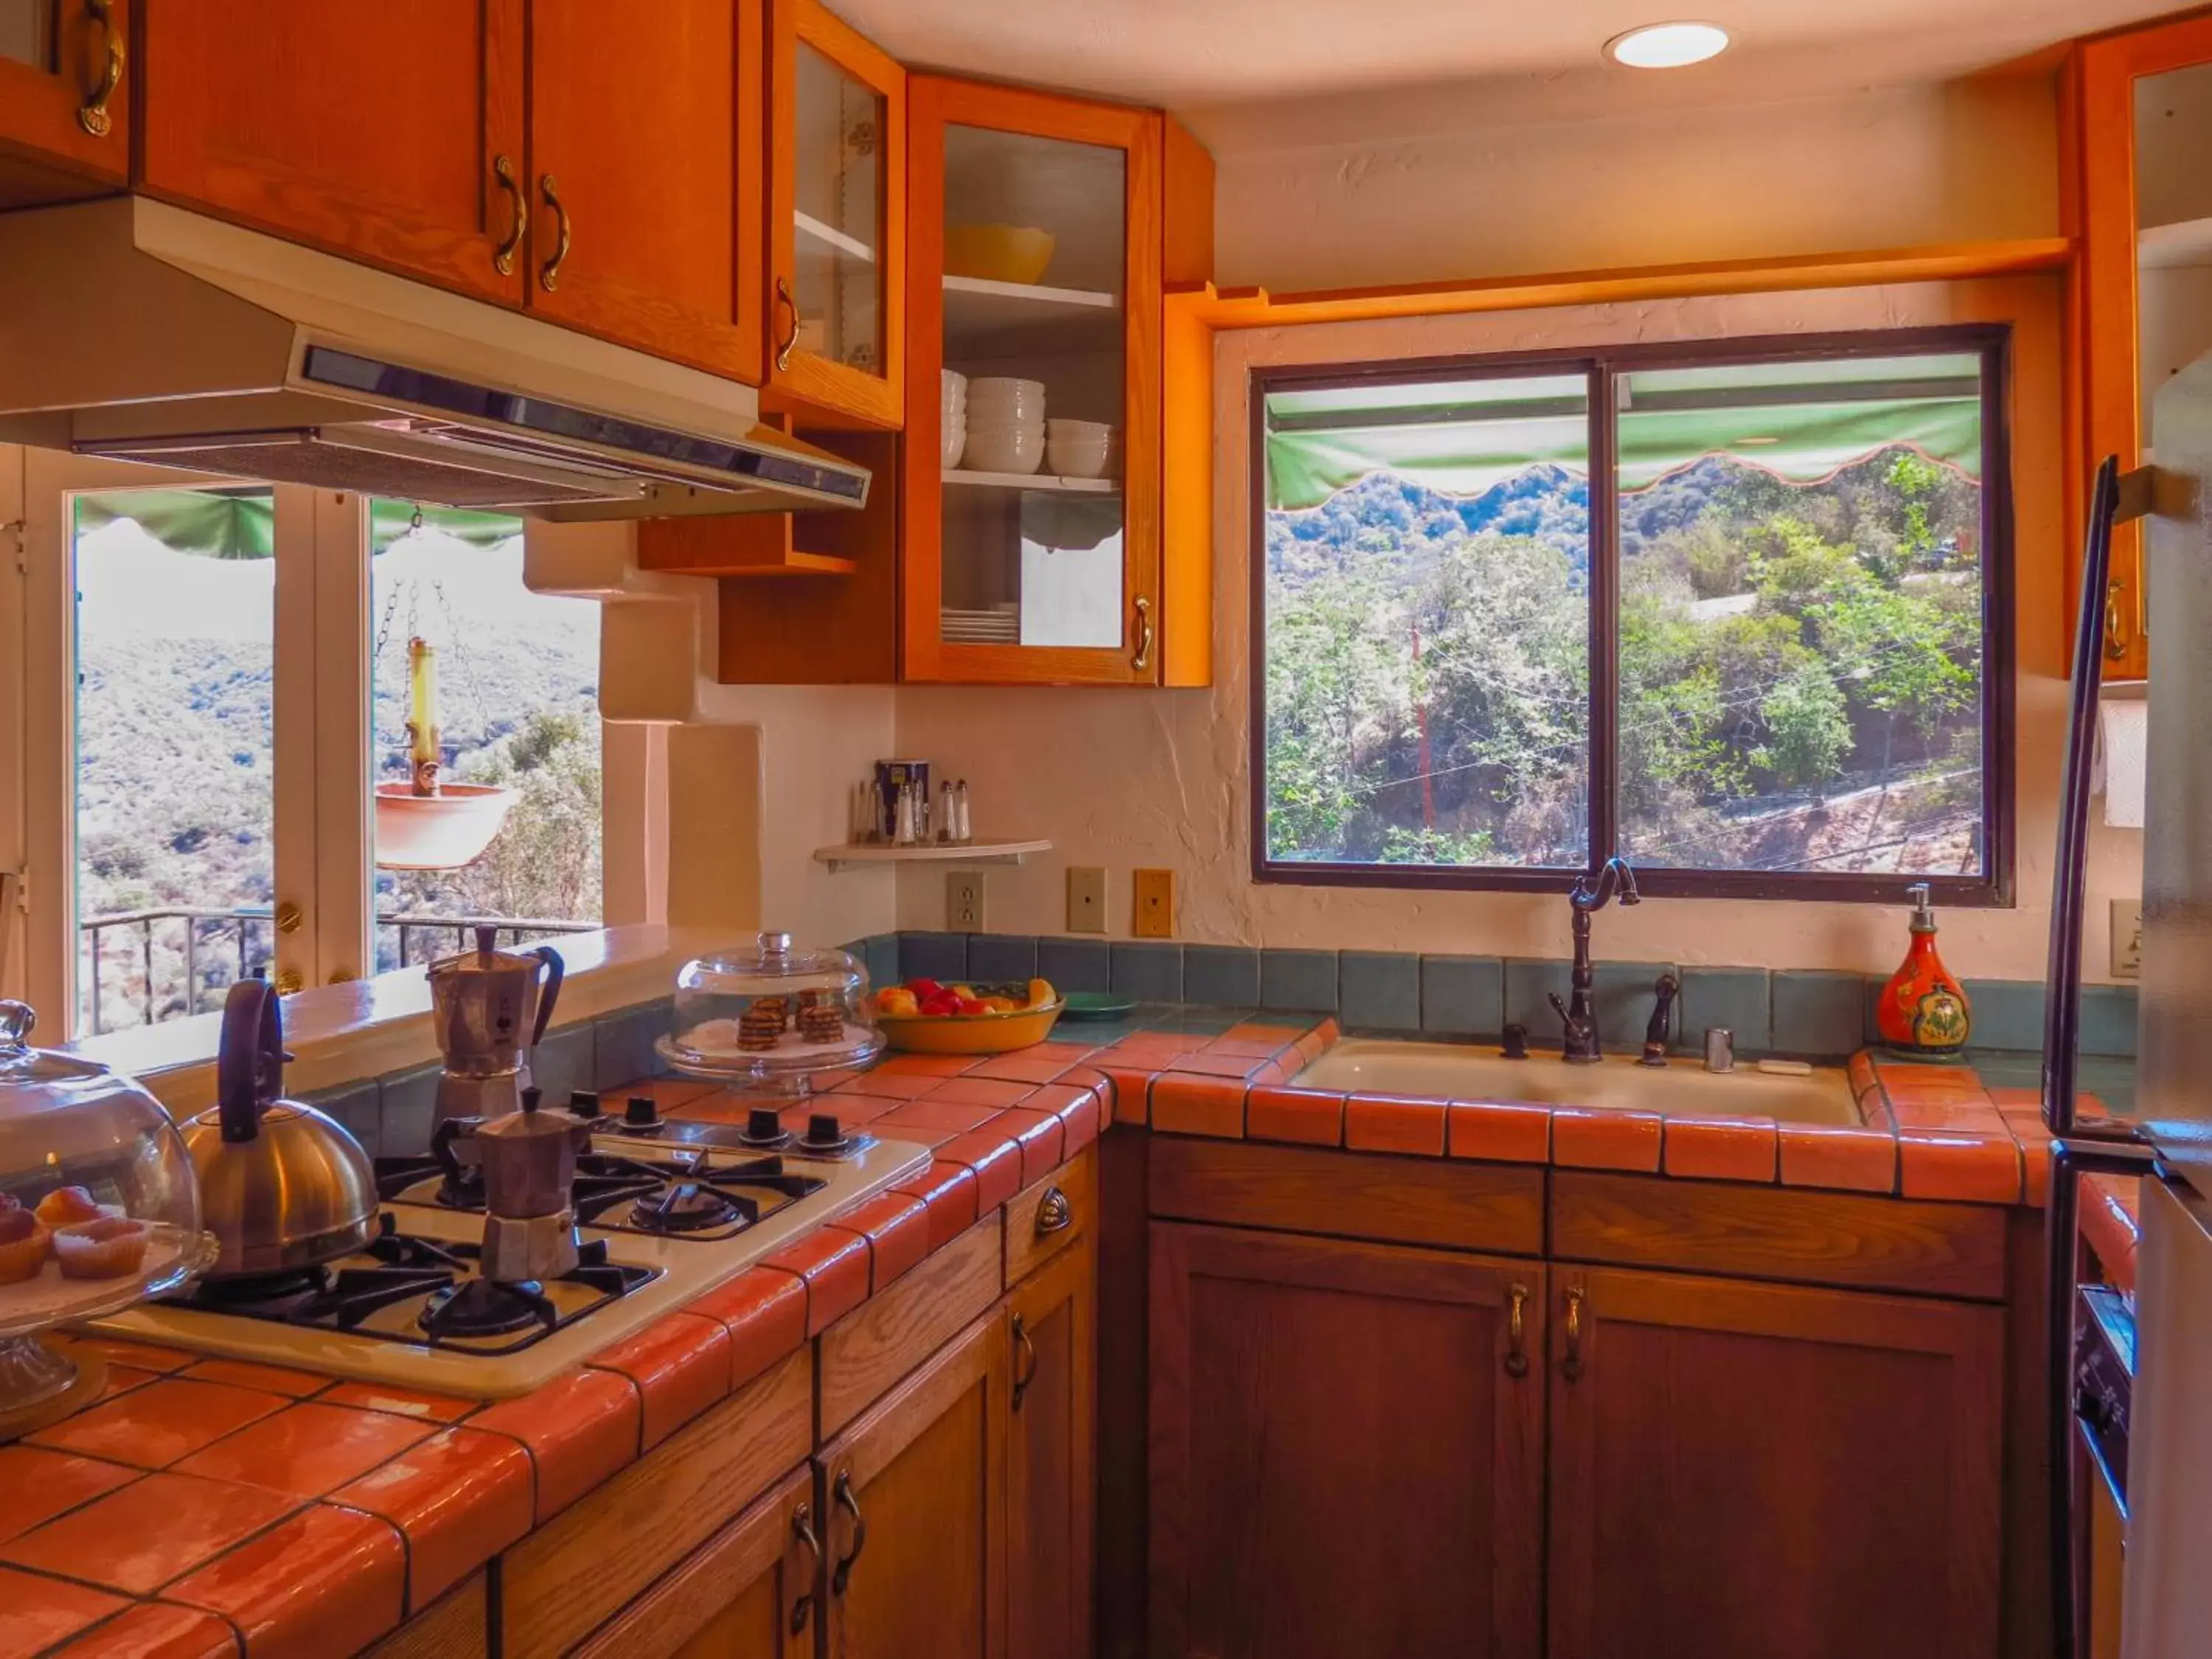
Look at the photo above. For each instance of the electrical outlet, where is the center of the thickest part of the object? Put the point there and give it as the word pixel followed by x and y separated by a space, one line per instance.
pixel 963 901
pixel 1086 899
pixel 2127 939
pixel 1152 904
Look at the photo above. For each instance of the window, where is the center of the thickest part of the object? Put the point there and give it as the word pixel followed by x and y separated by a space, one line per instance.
pixel 233 715
pixel 1739 614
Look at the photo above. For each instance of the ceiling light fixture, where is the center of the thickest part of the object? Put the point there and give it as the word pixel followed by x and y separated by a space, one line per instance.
pixel 1667 45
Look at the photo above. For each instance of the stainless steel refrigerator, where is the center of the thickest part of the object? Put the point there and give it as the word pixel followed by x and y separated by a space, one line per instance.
pixel 2139 1408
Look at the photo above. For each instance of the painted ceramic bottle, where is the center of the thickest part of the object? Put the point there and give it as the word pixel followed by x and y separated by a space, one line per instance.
pixel 1923 1009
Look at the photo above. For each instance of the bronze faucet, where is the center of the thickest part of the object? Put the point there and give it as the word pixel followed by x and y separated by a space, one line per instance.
pixel 1591 892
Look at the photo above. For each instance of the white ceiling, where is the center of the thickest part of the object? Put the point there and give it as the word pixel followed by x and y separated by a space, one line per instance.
pixel 1510 59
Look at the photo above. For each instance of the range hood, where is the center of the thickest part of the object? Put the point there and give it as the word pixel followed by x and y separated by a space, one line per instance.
pixel 134 330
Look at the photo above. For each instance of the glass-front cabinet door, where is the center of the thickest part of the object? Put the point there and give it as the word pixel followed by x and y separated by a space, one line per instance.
pixel 63 99
pixel 838 213
pixel 1032 438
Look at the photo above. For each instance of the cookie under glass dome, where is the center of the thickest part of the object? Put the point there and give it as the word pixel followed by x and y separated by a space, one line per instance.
pixel 769 1017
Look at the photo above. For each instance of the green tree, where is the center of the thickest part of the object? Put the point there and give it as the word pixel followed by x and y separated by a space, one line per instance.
pixel 1808 727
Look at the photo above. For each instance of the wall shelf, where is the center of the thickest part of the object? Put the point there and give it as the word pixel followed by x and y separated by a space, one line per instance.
pixel 986 318
pixel 831 237
pixel 976 852
pixel 2164 247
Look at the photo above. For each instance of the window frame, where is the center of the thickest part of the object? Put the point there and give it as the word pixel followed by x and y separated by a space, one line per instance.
pixel 1993 889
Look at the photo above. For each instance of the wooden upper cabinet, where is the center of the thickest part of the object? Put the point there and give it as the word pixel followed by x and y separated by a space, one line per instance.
pixel 914 1501
pixel 837 221
pixel 1051 1496
pixel 2136 112
pixel 64 99
pixel 386 131
pixel 646 134
pixel 1346 1450
pixel 1740 1470
pixel 1035 256
pixel 751 1591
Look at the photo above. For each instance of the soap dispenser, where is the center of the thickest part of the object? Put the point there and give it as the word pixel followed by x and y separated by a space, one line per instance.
pixel 1923 1012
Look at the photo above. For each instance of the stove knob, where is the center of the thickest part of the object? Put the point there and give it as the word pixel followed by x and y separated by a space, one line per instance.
pixel 642 1112
pixel 762 1123
pixel 584 1104
pixel 822 1129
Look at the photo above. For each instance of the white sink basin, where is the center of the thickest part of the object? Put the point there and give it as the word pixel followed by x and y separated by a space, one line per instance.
pixel 1463 1072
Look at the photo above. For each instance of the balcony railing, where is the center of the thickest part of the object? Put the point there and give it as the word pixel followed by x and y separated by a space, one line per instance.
pixel 246 935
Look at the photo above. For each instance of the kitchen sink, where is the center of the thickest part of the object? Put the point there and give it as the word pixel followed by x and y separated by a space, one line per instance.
pixel 1463 1072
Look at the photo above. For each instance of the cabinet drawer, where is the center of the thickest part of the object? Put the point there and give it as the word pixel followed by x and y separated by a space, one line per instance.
pixel 878 1344
pixel 1044 1219
pixel 571 1574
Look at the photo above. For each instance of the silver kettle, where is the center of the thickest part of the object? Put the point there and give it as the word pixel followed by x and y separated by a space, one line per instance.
pixel 283 1186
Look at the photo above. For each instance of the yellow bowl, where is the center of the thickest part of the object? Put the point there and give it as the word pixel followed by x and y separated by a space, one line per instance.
pixel 998 253
pixel 969 1034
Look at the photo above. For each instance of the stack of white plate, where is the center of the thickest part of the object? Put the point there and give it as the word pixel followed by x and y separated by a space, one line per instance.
pixel 1006 426
pixel 1000 625
pixel 953 419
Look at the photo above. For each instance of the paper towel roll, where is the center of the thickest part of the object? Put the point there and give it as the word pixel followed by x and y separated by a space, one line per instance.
pixel 2122 725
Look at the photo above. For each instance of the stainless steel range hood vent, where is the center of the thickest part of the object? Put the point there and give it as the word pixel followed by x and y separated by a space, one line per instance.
pixel 134 330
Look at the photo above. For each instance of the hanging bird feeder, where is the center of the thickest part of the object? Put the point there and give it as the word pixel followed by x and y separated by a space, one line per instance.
pixel 426 823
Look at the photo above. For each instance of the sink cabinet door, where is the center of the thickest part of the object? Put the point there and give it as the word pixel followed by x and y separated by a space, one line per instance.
pixel 1345 1449
pixel 914 1500
pixel 1741 1471
pixel 1050 1495
pixel 385 130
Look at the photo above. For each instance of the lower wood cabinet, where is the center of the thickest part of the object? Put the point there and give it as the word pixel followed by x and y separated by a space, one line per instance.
pixel 915 1512
pixel 750 1592
pixel 1347 1451
pixel 1742 1471
pixel 1051 1495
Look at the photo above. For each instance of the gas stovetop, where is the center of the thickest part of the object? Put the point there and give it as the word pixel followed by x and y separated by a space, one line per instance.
pixel 660 1223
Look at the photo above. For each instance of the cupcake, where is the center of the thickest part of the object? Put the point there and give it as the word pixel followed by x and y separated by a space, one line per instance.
pixel 22 1246
pixel 67 1204
pixel 107 1248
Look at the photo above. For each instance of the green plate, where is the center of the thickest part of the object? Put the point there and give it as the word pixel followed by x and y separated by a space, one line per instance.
pixel 1096 1005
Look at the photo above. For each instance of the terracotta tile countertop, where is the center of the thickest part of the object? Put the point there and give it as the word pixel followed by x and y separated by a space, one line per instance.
pixel 211 1507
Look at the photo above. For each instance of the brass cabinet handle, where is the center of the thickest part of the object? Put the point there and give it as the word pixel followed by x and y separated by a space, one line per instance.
pixel 288 917
pixel 503 258
pixel 842 1574
pixel 802 1528
pixel 549 277
pixel 1570 1367
pixel 2116 625
pixel 1055 1213
pixel 1027 1372
pixel 92 115
pixel 1143 660
pixel 1517 1330
pixel 784 347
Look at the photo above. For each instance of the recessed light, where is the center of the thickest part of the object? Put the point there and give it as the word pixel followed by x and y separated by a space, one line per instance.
pixel 1667 45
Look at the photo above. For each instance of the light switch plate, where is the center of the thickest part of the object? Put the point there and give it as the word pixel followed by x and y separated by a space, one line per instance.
pixel 2127 939
pixel 1086 899
pixel 1152 904
pixel 963 901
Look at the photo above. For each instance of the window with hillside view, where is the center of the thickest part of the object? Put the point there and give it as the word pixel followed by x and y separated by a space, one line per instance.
pixel 1732 613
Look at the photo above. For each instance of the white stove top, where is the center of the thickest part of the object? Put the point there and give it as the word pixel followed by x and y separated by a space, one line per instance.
pixel 684 1268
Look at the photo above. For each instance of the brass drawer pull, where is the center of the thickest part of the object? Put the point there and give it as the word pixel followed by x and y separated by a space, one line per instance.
pixel 1570 1367
pixel 1055 1214
pixel 92 115
pixel 802 1528
pixel 548 278
pixel 784 347
pixel 503 258
pixel 1517 1330
pixel 1143 660
pixel 841 1494
pixel 1027 1353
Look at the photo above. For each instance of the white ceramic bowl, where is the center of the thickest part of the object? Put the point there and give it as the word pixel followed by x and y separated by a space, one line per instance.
pixel 952 439
pixel 1003 449
pixel 1006 400
pixel 955 384
pixel 1068 458
pixel 984 387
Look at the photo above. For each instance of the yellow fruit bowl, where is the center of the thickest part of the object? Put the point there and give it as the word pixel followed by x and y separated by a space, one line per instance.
pixel 969 1034
pixel 998 253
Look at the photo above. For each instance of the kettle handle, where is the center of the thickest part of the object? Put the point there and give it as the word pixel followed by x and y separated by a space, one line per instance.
pixel 249 1065
pixel 554 970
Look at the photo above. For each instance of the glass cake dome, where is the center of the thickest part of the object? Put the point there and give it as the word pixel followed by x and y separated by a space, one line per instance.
pixel 769 1016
